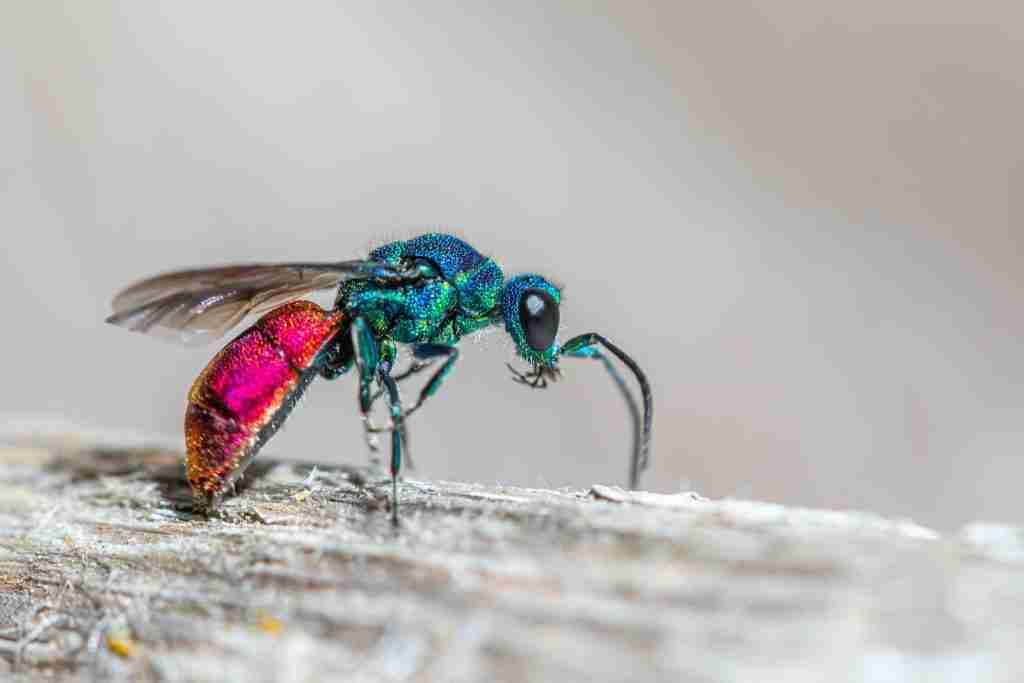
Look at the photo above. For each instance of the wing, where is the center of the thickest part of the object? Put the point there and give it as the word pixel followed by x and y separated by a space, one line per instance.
pixel 197 305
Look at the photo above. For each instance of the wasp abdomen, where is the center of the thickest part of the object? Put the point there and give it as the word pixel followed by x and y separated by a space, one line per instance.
pixel 245 393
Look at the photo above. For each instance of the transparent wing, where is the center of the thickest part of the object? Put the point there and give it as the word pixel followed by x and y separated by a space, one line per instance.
pixel 194 306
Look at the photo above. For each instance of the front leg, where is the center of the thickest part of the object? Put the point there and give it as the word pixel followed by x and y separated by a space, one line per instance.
pixel 425 353
pixel 594 353
pixel 585 346
pixel 416 367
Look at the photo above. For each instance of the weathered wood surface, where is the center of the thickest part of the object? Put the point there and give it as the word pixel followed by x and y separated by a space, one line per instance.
pixel 105 573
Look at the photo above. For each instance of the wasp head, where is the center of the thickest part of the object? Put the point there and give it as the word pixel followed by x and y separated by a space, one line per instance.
pixel 530 309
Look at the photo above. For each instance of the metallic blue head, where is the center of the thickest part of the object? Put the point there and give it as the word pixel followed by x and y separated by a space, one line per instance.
pixel 529 305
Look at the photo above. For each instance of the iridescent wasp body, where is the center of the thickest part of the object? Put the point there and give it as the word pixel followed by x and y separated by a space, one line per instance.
pixel 427 293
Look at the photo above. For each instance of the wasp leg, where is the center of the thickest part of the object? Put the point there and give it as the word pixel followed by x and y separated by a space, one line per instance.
pixel 370 354
pixel 426 353
pixel 415 368
pixel 536 378
pixel 585 346
pixel 399 438
pixel 372 366
pixel 370 429
pixel 367 360
pixel 620 383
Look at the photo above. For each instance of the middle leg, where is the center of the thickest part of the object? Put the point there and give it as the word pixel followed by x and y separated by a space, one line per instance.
pixel 424 356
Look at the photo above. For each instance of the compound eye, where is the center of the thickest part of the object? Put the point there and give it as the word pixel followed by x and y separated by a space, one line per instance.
pixel 538 314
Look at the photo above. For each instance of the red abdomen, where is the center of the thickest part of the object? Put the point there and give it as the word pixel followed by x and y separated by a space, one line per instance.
pixel 246 391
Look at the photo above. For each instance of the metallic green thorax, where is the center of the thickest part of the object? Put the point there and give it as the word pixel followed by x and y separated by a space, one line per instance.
pixel 463 299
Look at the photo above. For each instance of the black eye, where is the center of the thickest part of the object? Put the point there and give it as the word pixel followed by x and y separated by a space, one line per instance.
pixel 538 313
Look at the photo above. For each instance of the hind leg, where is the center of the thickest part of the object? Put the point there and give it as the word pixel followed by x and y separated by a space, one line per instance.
pixel 373 361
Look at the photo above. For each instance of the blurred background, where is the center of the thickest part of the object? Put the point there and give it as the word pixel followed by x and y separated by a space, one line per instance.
pixel 802 218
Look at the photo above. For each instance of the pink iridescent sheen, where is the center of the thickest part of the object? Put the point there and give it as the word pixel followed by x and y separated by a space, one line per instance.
pixel 244 386
pixel 247 377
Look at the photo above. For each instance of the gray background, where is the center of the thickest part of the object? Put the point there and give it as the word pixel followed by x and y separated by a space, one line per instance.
pixel 802 218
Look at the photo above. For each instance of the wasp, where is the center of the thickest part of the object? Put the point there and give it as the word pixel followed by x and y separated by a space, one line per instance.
pixel 425 293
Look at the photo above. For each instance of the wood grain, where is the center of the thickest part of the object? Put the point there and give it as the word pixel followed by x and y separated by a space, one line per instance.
pixel 105 572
